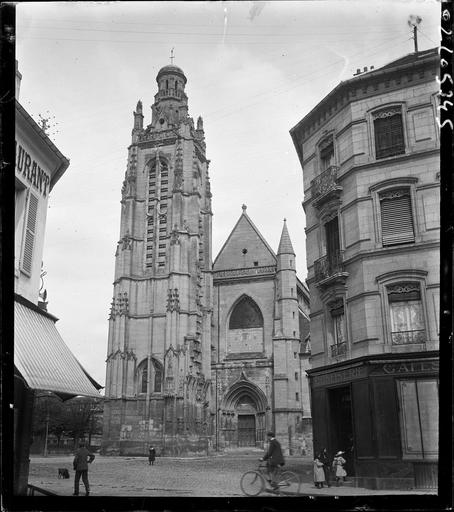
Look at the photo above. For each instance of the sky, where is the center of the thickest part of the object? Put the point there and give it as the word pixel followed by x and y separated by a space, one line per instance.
pixel 254 69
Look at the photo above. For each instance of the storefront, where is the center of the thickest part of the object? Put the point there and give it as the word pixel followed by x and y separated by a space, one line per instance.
pixel 382 411
pixel 42 361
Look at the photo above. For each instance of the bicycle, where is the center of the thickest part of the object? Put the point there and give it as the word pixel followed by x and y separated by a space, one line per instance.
pixel 253 482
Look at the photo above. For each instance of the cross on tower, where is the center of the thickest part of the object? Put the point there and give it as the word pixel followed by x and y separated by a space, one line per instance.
pixel 171 56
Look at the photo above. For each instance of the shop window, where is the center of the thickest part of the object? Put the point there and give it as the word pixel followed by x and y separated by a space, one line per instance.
pixel 396 217
pixel 406 312
pixel 389 132
pixel 30 233
pixel 419 418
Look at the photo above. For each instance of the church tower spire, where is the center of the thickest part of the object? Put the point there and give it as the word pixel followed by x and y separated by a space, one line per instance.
pixel 286 335
pixel 159 346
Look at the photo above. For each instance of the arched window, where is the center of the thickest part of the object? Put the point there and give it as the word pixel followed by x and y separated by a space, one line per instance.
pixel 142 377
pixel 155 377
pixel 246 315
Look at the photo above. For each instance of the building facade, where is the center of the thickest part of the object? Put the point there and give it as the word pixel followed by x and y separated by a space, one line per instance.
pixel 42 361
pixel 259 304
pixel 177 375
pixel 370 157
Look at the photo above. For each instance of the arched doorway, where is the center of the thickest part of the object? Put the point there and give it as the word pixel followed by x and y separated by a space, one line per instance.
pixel 246 411
pixel 243 409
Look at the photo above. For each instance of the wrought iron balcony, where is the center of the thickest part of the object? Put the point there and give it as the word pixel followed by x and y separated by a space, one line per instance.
pixel 328 266
pixel 339 349
pixel 408 337
pixel 325 185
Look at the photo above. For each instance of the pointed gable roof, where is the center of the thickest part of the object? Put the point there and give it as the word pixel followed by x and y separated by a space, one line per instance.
pixel 285 245
pixel 244 237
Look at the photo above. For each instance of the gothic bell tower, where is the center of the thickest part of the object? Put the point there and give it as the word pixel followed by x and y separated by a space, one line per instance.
pixel 159 345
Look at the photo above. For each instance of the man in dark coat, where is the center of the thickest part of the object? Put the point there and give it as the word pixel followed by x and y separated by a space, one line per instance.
pixel 274 457
pixel 82 458
pixel 151 455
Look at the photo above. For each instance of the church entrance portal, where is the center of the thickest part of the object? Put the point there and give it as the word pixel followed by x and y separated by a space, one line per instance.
pixel 246 430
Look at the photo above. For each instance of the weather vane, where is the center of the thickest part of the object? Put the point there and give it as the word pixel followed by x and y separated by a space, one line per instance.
pixel 171 56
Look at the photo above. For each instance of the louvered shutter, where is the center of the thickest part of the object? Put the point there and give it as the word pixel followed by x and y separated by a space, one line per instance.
pixel 397 220
pixel 29 242
pixel 389 136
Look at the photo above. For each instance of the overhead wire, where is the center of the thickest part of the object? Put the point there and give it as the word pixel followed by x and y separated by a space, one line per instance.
pixel 318 74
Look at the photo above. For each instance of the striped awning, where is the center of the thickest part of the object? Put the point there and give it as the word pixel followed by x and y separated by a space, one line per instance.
pixel 43 359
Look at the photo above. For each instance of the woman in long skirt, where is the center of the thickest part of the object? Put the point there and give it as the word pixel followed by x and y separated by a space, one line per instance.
pixel 319 473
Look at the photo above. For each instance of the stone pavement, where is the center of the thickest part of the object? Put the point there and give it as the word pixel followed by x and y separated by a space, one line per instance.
pixel 214 476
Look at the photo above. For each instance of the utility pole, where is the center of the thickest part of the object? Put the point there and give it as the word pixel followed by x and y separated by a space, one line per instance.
pixel 47 428
pixel 414 21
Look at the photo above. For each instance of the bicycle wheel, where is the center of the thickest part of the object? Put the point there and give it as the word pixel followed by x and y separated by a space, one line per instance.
pixel 252 483
pixel 290 481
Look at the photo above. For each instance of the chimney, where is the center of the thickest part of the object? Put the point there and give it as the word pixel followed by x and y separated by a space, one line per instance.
pixel 18 80
pixel 371 68
pixel 365 69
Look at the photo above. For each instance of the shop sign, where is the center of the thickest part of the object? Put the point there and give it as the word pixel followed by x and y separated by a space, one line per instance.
pixel 411 367
pixel 341 376
pixel 28 168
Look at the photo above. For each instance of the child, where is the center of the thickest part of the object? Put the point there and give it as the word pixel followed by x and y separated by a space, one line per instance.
pixel 338 466
pixel 319 474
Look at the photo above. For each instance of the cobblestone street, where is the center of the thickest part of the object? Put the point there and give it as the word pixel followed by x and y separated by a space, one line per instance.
pixel 217 476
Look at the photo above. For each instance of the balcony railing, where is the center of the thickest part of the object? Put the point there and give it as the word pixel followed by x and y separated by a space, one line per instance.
pixel 164 93
pixel 408 337
pixel 328 266
pixel 339 349
pixel 325 182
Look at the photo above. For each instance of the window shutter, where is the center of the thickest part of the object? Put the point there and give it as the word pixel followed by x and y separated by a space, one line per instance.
pixel 397 220
pixel 29 243
pixel 389 134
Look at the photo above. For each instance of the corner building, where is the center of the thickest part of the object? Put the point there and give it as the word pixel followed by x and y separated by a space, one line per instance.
pixel 370 157
pixel 159 348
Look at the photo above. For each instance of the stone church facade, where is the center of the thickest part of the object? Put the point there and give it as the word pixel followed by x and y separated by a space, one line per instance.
pixel 176 376
pixel 259 304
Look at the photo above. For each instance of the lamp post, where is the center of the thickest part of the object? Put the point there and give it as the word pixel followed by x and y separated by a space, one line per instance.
pixel 47 429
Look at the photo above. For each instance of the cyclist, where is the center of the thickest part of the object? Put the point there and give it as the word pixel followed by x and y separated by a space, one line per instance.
pixel 274 458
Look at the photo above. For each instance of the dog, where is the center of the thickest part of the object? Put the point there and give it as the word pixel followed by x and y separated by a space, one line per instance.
pixel 63 473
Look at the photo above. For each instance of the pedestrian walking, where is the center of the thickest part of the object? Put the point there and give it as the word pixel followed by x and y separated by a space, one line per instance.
pixel 82 458
pixel 151 455
pixel 319 473
pixel 274 458
pixel 338 466
pixel 323 457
